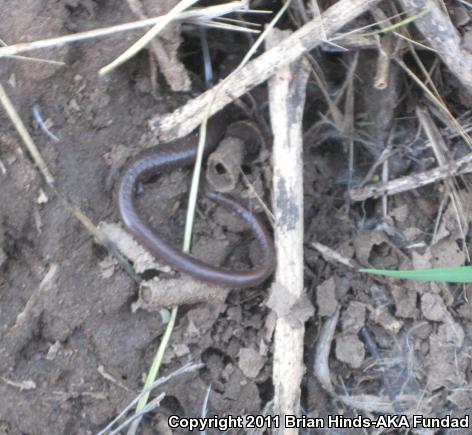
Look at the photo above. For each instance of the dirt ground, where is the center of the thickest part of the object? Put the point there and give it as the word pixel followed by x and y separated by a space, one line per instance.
pixel 73 353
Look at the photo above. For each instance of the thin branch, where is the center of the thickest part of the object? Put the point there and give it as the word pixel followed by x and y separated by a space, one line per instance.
pixel 287 99
pixel 188 117
pixel 441 34
pixel 410 182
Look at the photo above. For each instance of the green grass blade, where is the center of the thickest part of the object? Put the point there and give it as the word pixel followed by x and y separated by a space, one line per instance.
pixel 462 274
pixel 397 25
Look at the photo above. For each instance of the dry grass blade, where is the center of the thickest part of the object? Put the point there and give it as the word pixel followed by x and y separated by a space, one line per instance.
pixel 32 59
pixel 241 22
pixel 25 136
pixel 148 37
pixel 416 43
pixel 197 16
pixel 185 369
pixel 316 14
pixel 257 196
pixel 438 102
pixel 151 406
pixel 226 26
pixel 154 370
pixel 396 26
pixel 360 30
pixel 440 150
pixel 348 124
pixel 37 59
pixel 333 110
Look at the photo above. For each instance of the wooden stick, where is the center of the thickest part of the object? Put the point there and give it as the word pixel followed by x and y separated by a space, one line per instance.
pixel 287 99
pixel 188 117
pixel 403 184
pixel 443 37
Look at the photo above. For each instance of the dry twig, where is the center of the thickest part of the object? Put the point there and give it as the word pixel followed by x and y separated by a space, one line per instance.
pixel 287 99
pixel 185 119
pixel 410 182
pixel 441 34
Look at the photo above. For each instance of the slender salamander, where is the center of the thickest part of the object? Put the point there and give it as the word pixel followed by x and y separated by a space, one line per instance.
pixel 166 158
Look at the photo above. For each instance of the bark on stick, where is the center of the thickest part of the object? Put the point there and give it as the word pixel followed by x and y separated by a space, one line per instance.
pixel 287 100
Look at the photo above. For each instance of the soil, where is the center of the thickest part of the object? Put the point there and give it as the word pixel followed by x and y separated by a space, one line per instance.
pixel 73 352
